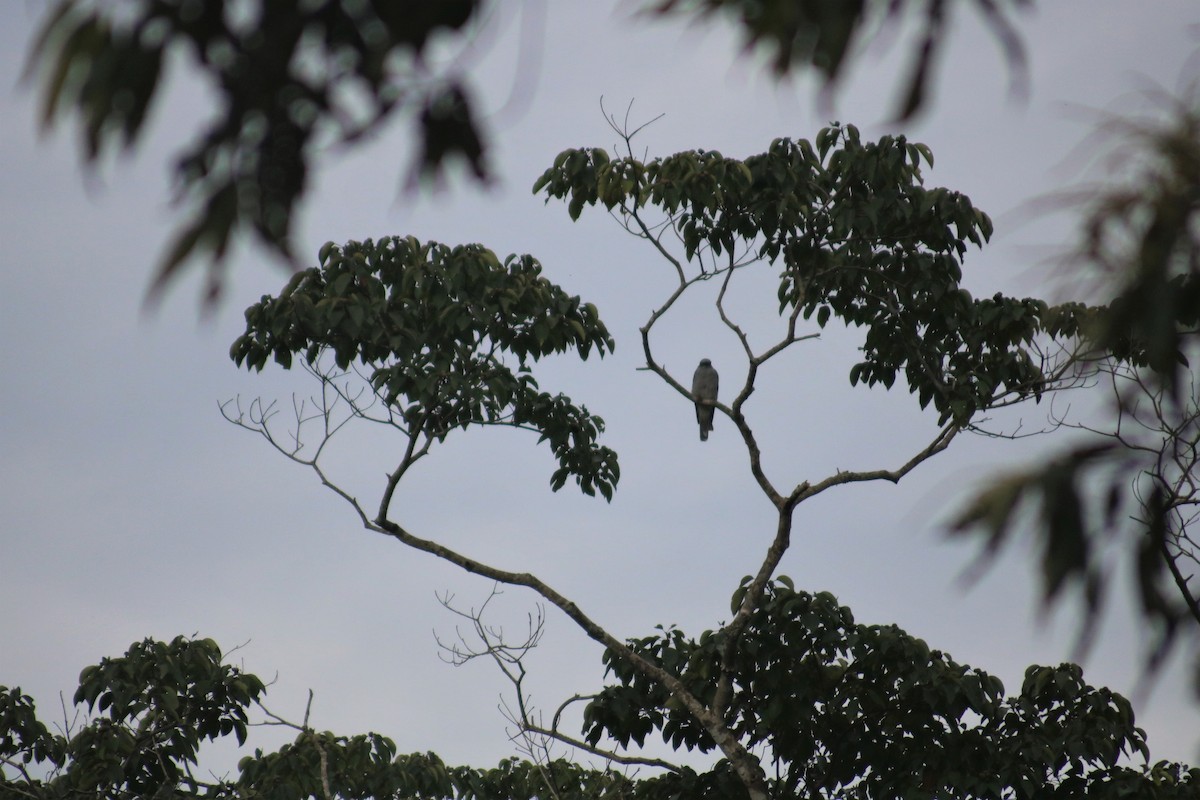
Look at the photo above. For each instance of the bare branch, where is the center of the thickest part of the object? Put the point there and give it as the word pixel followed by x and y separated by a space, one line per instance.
pixel 939 443
pixel 26 777
pixel 494 645
pixel 307 709
pixel 575 698
pixel 273 719
pixel 509 658
pixel 622 128
pixel 607 755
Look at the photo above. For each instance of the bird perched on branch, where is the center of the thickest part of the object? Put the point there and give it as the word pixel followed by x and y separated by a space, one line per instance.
pixel 704 390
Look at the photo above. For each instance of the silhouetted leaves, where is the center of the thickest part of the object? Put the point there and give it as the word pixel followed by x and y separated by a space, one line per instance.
pixel 1141 237
pixel 161 701
pixel 22 736
pixel 845 709
pixel 288 75
pixel 855 235
pixel 1056 487
pixel 437 329
pixel 840 708
pixel 1144 237
pixel 155 705
pixel 1074 505
pixel 821 35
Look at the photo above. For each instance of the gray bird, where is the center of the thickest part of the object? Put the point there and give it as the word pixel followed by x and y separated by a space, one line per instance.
pixel 704 389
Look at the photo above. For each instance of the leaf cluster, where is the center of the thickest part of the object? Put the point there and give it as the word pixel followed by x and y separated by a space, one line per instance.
pixel 157 704
pixel 822 35
pixel 1146 236
pixel 1079 500
pixel 845 709
pixel 1059 484
pixel 23 735
pixel 361 766
pixel 161 701
pixel 287 74
pixel 435 329
pixel 516 778
pixel 1131 476
pixel 856 235
pixel 367 766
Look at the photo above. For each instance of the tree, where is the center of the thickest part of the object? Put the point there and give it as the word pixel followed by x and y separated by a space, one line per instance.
pixel 983 354
pixel 248 173
pixel 429 340
pixel 842 709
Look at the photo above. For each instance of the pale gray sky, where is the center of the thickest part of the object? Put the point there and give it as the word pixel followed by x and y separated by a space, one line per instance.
pixel 129 508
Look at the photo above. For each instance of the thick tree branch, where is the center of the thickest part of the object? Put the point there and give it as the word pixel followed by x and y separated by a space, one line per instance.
pixel 732 632
pixel 746 765
pixel 411 455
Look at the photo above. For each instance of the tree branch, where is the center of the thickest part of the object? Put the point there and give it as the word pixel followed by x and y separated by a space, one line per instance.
pixel 939 443
pixel 607 755
pixel 746 765
pixel 732 632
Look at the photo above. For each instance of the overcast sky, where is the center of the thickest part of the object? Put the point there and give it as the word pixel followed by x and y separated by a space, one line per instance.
pixel 130 508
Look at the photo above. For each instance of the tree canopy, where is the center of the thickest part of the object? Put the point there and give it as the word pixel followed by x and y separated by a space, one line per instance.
pixel 839 708
pixel 789 697
pixel 434 324
pixel 294 78
pixel 853 234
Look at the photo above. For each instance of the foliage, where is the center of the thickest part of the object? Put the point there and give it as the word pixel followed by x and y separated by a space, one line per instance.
pixel 854 235
pixel 158 704
pixel 858 237
pixel 1144 237
pixel 843 709
pixel 822 35
pixel 161 701
pixel 836 708
pixel 292 77
pixel 1133 475
pixel 432 326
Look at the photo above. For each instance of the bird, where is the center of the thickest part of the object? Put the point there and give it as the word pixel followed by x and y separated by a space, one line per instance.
pixel 704 390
